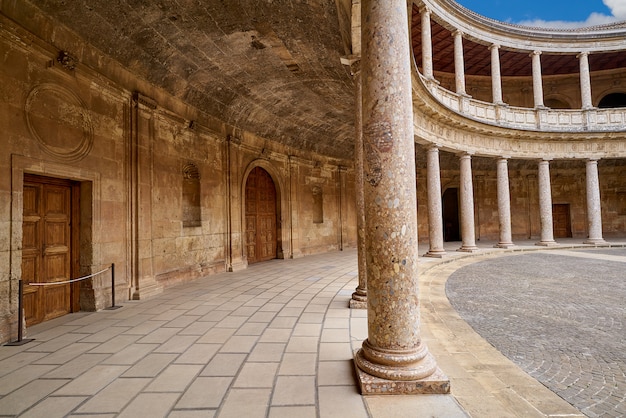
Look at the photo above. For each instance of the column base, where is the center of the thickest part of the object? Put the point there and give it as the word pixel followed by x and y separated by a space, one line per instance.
pixel 358 304
pixel 594 241
pixel 435 253
pixel 547 243
pixel 436 383
pixel 468 249
pixel 504 245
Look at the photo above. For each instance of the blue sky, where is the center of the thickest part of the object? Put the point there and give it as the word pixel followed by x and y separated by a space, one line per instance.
pixel 550 13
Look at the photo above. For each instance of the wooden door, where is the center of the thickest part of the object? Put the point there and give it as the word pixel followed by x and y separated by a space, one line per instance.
pixel 260 216
pixel 47 247
pixel 561 221
pixel 450 209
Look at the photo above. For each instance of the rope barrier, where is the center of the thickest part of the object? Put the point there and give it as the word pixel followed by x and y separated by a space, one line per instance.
pixel 69 281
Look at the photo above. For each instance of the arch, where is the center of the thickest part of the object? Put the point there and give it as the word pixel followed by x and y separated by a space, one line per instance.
pixel 557 103
pixel 612 100
pixel 280 225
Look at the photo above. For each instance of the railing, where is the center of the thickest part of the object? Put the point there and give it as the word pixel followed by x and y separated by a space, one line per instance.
pixel 540 119
pixel 20 303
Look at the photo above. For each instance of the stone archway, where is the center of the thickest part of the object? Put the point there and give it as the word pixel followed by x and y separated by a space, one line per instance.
pixel 260 216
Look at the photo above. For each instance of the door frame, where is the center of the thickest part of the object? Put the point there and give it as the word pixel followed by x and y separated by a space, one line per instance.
pixel 281 227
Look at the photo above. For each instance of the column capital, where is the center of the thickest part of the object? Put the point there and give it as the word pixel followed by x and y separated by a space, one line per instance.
pixel 434 146
pixel 582 54
pixel 534 53
pixel 457 32
pixel 593 160
pixel 423 8
pixel 494 46
pixel 504 157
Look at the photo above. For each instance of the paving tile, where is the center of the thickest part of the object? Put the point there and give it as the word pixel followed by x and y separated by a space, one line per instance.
pixel 177 344
pixel 307 330
pixel 158 336
pixel 145 328
pixel 150 366
pixel 20 377
pixel 103 335
pixel 204 392
pixel 256 375
pixel 18 401
pixel 293 411
pixel 414 406
pixel 76 366
pixel 151 405
pixel 54 406
pixel 175 378
pixel 239 344
pixel 63 341
pixel 249 403
pixel 343 402
pixel 278 335
pixel 298 364
pixel 335 351
pixel 336 373
pixel 224 365
pixel 198 354
pixel 131 354
pixel 302 345
pixel 114 397
pixel 182 321
pixel 217 335
pixel 330 335
pixel 115 344
pixel 294 390
pixel 19 360
pixel 283 322
pixel 92 381
pixel 197 328
pixel 267 352
pixel 200 413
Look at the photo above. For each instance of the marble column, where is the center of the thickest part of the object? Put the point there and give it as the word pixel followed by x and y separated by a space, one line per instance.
pixel 427 46
pixel 359 297
pixel 459 64
pixel 545 204
pixel 466 191
pixel 496 78
pixel 504 204
pixel 594 209
pixel 435 214
pixel 393 359
pixel 585 80
pixel 537 81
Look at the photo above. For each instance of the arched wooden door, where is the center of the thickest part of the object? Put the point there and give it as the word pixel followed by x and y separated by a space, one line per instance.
pixel 260 216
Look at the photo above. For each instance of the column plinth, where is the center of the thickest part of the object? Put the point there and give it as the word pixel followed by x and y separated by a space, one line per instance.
pixel 393 359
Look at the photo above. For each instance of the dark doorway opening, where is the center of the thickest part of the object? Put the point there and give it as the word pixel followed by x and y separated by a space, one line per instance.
pixel 451 225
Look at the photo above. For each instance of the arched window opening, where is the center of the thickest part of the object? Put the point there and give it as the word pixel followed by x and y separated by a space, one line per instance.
pixel 554 103
pixel 612 100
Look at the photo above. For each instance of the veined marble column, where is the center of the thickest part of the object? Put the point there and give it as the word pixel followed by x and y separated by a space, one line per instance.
pixel 504 204
pixel 466 191
pixel 537 81
pixel 427 46
pixel 435 214
pixel 545 204
pixel 585 80
pixel 459 64
pixel 393 358
pixel 359 297
pixel 594 210
pixel 496 78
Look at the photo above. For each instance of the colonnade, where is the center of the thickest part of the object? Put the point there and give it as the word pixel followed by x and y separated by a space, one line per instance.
pixel 435 224
pixel 496 78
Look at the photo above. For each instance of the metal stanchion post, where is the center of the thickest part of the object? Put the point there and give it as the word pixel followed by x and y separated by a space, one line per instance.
pixel 20 317
pixel 113 289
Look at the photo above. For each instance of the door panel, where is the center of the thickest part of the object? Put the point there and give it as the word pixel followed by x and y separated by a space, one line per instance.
pixel 561 221
pixel 260 216
pixel 46 243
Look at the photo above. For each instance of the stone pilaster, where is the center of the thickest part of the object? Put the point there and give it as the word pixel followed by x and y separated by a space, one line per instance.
pixel 504 204
pixel 435 219
pixel 466 192
pixel 594 210
pixel 545 204
pixel 393 359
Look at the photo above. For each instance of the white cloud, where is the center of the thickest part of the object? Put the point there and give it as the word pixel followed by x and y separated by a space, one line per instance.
pixel 618 13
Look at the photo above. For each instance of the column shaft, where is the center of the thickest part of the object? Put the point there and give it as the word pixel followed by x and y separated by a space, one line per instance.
pixel 545 204
pixel 496 78
pixel 585 80
pixel 359 297
pixel 435 214
pixel 427 46
pixel 468 233
pixel 594 210
pixel 537 81
pixel 504 204
pixel 459 64
pixel 394 350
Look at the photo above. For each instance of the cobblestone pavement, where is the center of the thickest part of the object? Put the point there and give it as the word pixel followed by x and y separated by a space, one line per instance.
pixel 560 315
